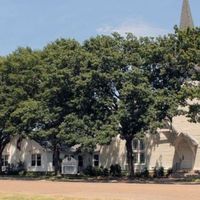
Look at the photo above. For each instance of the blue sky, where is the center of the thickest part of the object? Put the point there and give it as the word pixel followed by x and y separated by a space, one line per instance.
pixel 35 23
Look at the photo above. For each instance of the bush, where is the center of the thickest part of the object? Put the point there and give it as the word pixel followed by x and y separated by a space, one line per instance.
pixel 115 170
pixel 90 171
pixel 158 172
pixel 96 171
pixel 37 174
pixel 161 172
pixel 138 175
pixel 16 169
pixel 145 173
pixel 169 172
pixel 154 172
pixel 105 172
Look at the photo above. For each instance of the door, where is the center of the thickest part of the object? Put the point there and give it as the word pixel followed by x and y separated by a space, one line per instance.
pixel 187 157
pixel 184 157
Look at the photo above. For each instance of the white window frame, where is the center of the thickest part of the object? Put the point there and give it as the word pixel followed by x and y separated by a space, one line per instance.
pixel 138 151
pixel 36 159
pixel 96 160
pixel 5 159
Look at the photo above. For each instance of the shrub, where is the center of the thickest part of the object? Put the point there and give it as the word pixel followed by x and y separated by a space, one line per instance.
pixel 155 172
pixel 145 173
pixel 96 171
pixel 169 172
pixel 90 171
pixel 105 172
pixel 16 169
pixel 137 175
pixel 115 170
pixel 158 172
pixel 161 172
pixel 38 174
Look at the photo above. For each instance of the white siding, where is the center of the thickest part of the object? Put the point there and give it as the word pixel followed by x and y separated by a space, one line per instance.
pixel 28 147
pixel 115 153
pixel 160 150
pixel 182 125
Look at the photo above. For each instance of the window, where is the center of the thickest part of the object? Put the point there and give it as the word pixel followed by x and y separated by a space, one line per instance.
pixel 96 160
pixel 139 151
pixel 36 160
pixel 5 160
pixel 142 145
pixel 33 160
pixel 39 160
pixel 135 157
pixel 135 144
pixel 80 161
pixel 142 158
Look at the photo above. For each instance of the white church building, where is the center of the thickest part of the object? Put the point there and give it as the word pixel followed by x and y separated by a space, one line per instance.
pixel 177 146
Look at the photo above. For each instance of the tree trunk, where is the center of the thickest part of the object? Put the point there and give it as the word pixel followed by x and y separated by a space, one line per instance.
pixel 1 152
pixel 129 150
pixel 56 160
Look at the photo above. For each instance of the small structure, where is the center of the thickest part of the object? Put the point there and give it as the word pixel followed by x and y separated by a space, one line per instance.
pixel 69 165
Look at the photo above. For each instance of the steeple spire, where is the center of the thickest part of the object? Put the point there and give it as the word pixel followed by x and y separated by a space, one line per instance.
pixel 186 16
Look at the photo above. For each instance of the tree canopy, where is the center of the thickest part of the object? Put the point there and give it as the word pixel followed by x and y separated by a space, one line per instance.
pixel 71 93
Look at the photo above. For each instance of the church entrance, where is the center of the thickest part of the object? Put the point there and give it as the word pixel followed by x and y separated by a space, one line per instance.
pixel 185 155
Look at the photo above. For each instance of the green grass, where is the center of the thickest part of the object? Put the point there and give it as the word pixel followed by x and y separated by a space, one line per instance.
pixel 7 196
pixel 31 197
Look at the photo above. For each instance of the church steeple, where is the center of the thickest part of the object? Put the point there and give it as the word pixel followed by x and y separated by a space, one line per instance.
pixel 186 16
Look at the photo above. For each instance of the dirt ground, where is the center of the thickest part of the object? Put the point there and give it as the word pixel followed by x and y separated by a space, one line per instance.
pixel 102 191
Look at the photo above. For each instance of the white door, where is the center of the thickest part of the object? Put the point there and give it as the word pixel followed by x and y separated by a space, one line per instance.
pixel 187 157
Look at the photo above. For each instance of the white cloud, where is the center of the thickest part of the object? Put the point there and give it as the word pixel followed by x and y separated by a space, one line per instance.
pixel 138 28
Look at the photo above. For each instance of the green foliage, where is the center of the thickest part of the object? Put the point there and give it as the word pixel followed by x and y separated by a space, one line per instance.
pixel 71 93
pixel 169 172
pixel 145 173
pixel 115 170
pixel 96 171
pixel 90 171
pixel 19 82
pixel 158 172
pixel 105 172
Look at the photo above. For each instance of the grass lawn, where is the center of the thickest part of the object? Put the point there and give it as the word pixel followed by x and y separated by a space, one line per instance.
pixel 30 197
